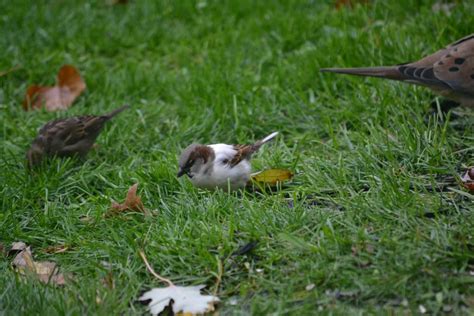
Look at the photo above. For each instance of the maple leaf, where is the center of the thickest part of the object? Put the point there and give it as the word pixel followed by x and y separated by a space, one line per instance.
pixel 132 203
pixel 60 97
pixel 186 299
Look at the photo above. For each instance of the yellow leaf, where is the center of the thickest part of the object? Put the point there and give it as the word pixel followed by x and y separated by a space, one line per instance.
pixel 272 176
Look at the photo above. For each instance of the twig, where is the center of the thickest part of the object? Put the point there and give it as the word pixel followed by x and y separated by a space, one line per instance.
pixel 220 272
pixel 150 269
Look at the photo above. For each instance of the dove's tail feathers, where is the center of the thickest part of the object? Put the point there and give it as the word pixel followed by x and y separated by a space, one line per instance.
pixel 116 111
pixel 266 139
pixel 390 72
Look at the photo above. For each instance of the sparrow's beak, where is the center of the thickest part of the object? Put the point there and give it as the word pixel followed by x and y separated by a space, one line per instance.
pixel 181 172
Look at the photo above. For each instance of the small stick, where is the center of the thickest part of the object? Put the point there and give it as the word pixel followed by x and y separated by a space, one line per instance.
pixel 150 269
pixel 220 272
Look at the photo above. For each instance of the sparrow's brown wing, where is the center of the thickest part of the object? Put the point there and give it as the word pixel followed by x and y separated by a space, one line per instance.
pixel 243 152
pixel 58 134
pixel 69 136
pixel 246 151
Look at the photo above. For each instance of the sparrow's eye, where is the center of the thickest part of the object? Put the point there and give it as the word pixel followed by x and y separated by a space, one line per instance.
pixel 191 162
pixel 225 161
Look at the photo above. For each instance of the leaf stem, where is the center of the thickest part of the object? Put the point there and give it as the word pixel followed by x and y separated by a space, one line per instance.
pixel 150 269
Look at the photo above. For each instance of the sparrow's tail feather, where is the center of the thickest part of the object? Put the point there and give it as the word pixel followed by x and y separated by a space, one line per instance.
pixel 390 72
pixel 116 111
pixel 246 151
pixel 266 139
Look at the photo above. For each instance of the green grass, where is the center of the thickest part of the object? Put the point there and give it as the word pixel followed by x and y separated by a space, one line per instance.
pixel 359 221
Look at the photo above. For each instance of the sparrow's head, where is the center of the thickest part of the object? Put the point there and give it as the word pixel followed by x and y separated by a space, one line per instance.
pixel 193 158
pixel 34 156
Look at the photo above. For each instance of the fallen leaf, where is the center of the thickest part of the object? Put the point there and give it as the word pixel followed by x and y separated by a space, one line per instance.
pixel 17 247
pixel 272 176
pixel 132 203
pixel 60 97
pixel 56 249
pixel 183 299
pixel 45 271
pixel 468 179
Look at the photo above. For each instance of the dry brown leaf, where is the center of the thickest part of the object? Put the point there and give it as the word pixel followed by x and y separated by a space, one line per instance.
pixel 56 249
pixel 132 203
pixel 17 246
pixel 468 179
pixel 339 4
pixel 60 97
pixel 272 176
pixel 45 271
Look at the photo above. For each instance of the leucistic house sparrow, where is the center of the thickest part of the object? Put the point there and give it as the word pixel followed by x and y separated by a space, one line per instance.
pixel 448 72
pixel 67 137
pixel 219 165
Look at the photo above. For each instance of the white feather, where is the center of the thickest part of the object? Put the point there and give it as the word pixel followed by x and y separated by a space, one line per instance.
pixel 269 137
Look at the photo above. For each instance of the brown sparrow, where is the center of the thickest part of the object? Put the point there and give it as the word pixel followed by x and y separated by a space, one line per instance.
pixel 67 137
pixel 449 71
pixel 219 165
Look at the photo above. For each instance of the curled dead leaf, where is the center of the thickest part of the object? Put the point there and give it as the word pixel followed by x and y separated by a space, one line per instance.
pixel 272 176
pixel 46 271
pixel 132 203
pixel 59 97
pixel 56 249
pixel 468 179
pixel 17 247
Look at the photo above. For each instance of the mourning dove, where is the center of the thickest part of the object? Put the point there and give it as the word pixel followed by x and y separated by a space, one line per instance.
pixel 67 137
pixel 449 72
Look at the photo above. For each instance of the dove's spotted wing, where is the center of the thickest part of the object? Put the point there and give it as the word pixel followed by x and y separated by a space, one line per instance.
pixel 456 68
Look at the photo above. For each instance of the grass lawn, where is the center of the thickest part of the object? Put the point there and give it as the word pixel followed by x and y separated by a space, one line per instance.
pixel 364 220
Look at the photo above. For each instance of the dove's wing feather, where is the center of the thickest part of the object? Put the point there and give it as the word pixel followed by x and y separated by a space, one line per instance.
pixel 456 68
pixel 449 71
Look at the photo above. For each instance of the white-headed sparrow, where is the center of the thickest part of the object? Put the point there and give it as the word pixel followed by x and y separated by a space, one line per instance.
pixel 449 71
pixel 67 137
pixel 219 165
